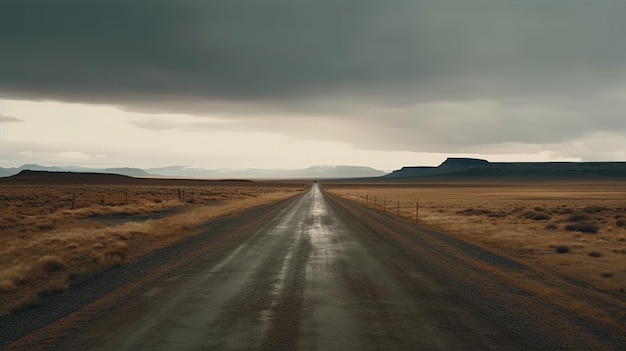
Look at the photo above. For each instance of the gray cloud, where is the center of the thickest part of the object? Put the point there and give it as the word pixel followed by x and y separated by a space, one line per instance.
pixel 153 124
pixel 442 76
pixel 6 119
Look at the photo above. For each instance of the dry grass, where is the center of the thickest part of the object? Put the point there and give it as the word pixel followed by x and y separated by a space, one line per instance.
pixel 46 246
pixel 573 228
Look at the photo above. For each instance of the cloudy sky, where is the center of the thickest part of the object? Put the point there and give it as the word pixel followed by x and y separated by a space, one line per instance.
pixel 290 84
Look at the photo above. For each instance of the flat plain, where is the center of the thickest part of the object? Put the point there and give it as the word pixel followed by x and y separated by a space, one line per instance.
pixel 57 234
pixel 315 271
pixel 574 229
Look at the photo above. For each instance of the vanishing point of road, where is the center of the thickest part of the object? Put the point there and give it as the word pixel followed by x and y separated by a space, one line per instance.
pixel 313 273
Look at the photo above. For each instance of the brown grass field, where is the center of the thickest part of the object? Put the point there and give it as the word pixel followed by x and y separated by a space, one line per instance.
pixel 573 229
pixel 47 245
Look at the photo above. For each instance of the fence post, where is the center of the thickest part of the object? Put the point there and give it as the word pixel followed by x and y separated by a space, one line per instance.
pixel 367 199
pixel 417 212
pixel 73 200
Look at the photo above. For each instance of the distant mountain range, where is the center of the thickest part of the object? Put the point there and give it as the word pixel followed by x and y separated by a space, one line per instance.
pixel 315 172
pixel 453 169
pixel 477 169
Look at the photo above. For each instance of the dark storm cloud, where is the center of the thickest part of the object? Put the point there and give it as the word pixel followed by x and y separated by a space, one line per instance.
pixel 378 65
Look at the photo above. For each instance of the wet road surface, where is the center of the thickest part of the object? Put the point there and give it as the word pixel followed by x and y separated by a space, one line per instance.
pixel 318 276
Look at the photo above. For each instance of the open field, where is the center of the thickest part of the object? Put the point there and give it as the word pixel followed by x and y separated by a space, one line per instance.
pixel 54 235
pixel 574 229
pixel 319 272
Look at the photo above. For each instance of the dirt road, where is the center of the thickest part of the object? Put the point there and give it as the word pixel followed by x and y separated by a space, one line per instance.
pixel 317 273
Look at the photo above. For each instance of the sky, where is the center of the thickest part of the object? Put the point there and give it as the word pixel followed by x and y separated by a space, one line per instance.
pixel 291 84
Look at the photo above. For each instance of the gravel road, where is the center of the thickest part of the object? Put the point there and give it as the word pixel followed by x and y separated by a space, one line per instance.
pixel 315 273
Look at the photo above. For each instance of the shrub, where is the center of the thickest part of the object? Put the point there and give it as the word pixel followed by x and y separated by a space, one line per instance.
pixel 563 210
pixel 472 212
pixel 97 246
pixel 45 226
pixel 537 216
pixel 552 226
pixel 595 254
pixel 584 227
pixel 72 246
pixel 578 217
pixel 562 249
pixel 594 209
pixel 517 210
pixel 621 223
pixel 481 212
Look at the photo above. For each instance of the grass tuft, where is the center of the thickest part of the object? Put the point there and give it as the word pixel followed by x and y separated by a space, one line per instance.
pixel 6 284
pixel 51 263
pixel 113 256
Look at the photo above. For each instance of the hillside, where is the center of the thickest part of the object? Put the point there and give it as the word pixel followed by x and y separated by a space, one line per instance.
pixel 89 178
pixel 49 177
pixel 476 169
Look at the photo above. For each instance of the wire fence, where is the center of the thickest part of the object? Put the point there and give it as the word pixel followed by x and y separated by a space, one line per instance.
pixel 404 209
